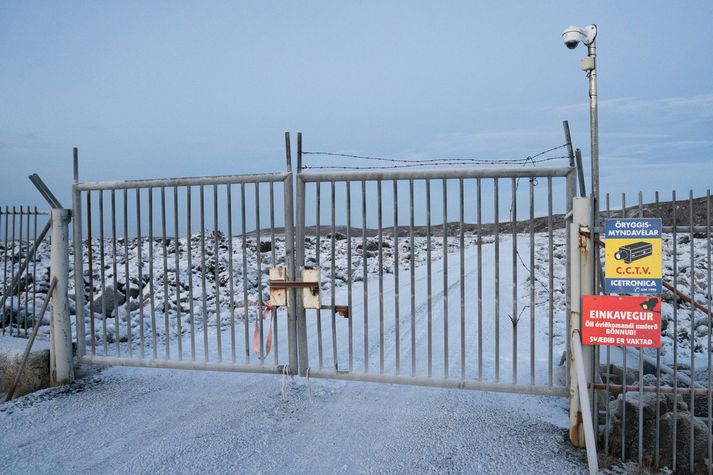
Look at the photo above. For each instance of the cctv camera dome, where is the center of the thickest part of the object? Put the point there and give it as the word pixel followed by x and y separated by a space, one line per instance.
pixel 571 44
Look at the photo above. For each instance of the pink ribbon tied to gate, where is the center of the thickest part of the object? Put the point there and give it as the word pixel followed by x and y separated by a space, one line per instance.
pixel 256 334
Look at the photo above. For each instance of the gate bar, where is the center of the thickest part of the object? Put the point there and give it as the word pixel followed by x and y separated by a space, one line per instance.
pixel 435 174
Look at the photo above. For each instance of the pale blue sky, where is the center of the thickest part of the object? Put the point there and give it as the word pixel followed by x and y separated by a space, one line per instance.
pixel 150 89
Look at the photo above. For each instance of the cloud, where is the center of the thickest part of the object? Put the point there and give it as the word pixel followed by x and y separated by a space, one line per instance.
pixel 695 106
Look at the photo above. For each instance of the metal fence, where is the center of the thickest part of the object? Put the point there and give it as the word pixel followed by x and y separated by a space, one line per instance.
pixel 454 319
pixel 654 406
pixel 448 277
pixel 174 272
pixel 23 271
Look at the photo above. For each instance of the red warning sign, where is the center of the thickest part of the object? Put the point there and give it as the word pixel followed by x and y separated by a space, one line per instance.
pixel 621 321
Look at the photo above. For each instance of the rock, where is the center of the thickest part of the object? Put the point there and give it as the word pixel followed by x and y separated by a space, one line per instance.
pixel 616 374
pixel 265 246
pixel 36 375
pixel 337 236
pixel 371 246
pixel 624 415
pixel 682 421
pixel 108 297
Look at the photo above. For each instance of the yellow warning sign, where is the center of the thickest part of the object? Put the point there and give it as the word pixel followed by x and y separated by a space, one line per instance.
pixel 633 256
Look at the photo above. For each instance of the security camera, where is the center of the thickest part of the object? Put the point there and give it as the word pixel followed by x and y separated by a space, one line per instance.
pixel 573 35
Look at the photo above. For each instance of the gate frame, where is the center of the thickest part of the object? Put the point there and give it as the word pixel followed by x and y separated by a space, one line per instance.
pixel 568 172
pixel 286 178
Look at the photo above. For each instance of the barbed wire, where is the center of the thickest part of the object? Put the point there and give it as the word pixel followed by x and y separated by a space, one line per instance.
pixel 409 163
pixel 438 163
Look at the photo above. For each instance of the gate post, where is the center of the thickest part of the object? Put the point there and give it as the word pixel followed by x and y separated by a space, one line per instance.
pixel 62 368
pixel 78 258
pixel 290 253
pixel 580 264
pixel 299 266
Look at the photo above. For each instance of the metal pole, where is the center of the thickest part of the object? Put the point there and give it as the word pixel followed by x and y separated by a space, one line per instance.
pixel 299 265
pixel 594 124
pixel 290 259
pixel 63 370
pixel 581 284
pixel 78 260
pixel 590 440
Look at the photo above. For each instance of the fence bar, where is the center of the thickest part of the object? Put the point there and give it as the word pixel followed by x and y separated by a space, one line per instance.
pixel 189 270
pixel 16 279
pixel 246 308
pixel 496 224
pixel 349 272
pixel 127 283
pixel 102 270
pixel 139 258
pixel 623 408
pixel 90 258
pixel 428 277
pixel 709 347
pixel 437 174
pixel 692 278
pixel 515 317
pixel 450 383
pixel 365 276
pixel 674 438
pixel 412 269
pixel 5 261
pixel 480 278
pixel 177 249
pixel 258 252
pixel 231 276
pixel 550 285
pixel 461 247
pixel 176 364
pixel 273 263
pixel 152 290
pixel 658 378
pixel 115 280
pixel 216 276
pixel 397 264
pixel 332 257
pixel 445 277
pixel 34 264
pixel 532 278
pixel 167 334
pixel 381 274
pixel 204 291
pixel 186 181
pixel 317 258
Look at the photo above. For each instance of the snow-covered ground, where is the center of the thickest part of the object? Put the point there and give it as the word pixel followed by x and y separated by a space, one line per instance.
pixel 127 420
pixel 176 299
pixel 133 420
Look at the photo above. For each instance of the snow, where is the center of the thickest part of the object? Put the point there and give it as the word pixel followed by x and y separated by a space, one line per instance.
pixel 134 420
pixel 127 420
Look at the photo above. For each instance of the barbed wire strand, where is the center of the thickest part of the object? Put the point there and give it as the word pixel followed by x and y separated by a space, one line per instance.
pixel 411 162
pixel 443 162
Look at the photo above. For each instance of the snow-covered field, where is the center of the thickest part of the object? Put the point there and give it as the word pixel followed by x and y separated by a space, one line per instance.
pixel 132 420
pixel 184 303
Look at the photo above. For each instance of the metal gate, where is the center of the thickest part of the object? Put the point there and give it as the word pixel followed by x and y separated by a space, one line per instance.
pixel 419 290
pixel 430 277
pixel 175 272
